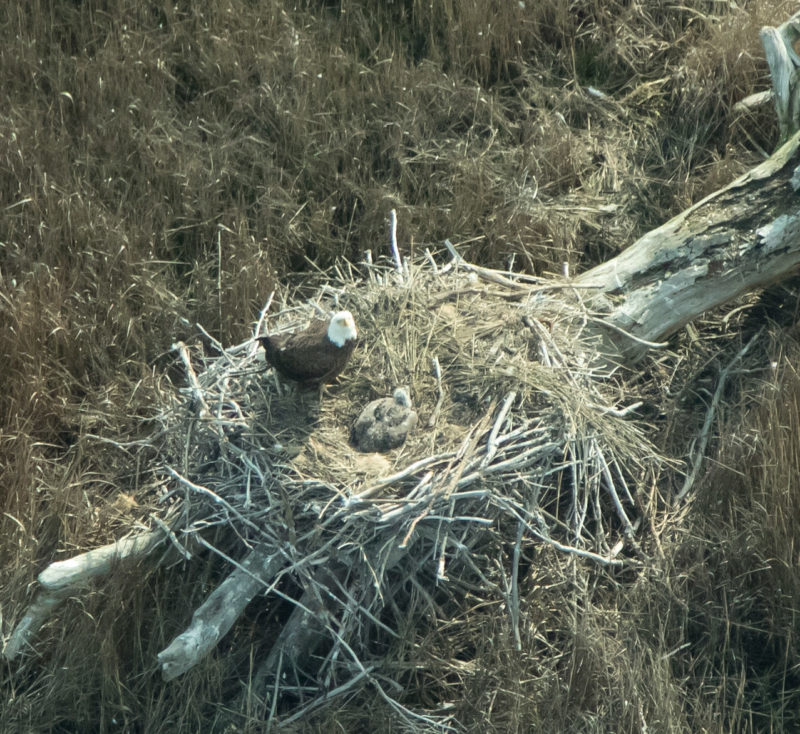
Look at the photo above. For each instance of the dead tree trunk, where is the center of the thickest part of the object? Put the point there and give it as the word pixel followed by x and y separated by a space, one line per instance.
pixel 740 238
pixel 784 66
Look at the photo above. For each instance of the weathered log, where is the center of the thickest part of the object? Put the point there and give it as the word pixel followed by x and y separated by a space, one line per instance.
pixel 784 66
pixel 213 619
pixel 743 237
pixel 60 579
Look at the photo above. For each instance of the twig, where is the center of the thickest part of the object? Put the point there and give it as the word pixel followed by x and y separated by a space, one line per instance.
pixel 263 315
pixel 513 601
pixel 700 449
pixel 200 489
pixel 431 261
pixel 214 341
pixel 616 412
pixel 194 384
pixel 327 697
pixel 402 474
pixel 398 263
pixel 491 444
pixel 612 490
pixel 172 537
pixel 437 372
pixel 597 558
pixel 632 337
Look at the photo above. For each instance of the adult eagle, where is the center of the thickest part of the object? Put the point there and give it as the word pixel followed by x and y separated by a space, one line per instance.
pixel 315 355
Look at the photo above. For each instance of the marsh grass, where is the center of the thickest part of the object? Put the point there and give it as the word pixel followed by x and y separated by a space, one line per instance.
pixel 163 164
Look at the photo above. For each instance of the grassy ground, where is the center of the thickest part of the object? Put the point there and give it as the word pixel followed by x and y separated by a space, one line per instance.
pixel 165 163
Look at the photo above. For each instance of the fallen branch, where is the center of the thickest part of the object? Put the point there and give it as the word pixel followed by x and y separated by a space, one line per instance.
pixel 213 619
pixel 63 578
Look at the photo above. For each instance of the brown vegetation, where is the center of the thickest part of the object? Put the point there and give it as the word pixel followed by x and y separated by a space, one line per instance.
pixel 163 164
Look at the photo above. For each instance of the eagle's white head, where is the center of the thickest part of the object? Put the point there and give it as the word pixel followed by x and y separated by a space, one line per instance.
pixel 342 328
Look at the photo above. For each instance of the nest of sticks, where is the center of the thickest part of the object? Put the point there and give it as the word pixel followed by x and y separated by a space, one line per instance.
pixel 519 444
pixel 527 445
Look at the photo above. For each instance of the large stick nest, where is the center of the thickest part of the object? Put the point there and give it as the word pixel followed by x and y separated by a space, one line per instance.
pixel 519 447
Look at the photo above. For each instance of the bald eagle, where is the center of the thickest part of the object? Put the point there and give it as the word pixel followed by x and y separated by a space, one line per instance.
pixel 385 423
pixel 316 354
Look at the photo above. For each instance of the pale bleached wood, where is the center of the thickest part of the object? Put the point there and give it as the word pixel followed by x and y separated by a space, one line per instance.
pixel 743 237
pixel 76 571
pixel 61 579
pixel 784 67
pixel 213 619
pixel 37 614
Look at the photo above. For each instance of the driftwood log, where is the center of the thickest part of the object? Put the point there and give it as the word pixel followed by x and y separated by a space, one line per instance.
pixel 740 238
pixel 743 237
pixel 780 48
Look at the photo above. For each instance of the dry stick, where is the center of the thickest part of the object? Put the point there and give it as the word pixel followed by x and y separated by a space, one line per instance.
pixel 512 465
pixel 327 697
pixel 712 409
pixel 513 601
pixel 628 494
pixel 579 509
pixel 220 227
pixel 616 412
pixel 217 614
pixel 492 276
pixel 612 489
pixel 172 537
pixel 409 715
pixel 214 496
pixel 467 449
pixel 60 579
pixel 402 474
pixel 263 315
pixel 596 557
pixel 545 340
pixel 431 261
pixel 500 277
pixel 216 343
pixel 491 444
pixel 197 391
pixel 398 263
pixel 365 672
pixel 437 371
pixel 632 337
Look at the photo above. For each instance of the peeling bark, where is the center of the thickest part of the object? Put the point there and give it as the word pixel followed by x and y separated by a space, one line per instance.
pixel 740 238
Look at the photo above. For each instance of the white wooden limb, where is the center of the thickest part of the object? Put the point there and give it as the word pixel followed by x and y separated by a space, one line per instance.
pixel 37 614
pixel 213 619
pixel 784 67
pixel 743 237
pixel 76 571
pixel 60 579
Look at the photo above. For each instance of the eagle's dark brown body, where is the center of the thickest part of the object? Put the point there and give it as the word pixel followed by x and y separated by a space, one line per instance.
pixel 309 356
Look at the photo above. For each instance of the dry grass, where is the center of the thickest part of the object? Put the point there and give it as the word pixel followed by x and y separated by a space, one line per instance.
pixel 165 164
